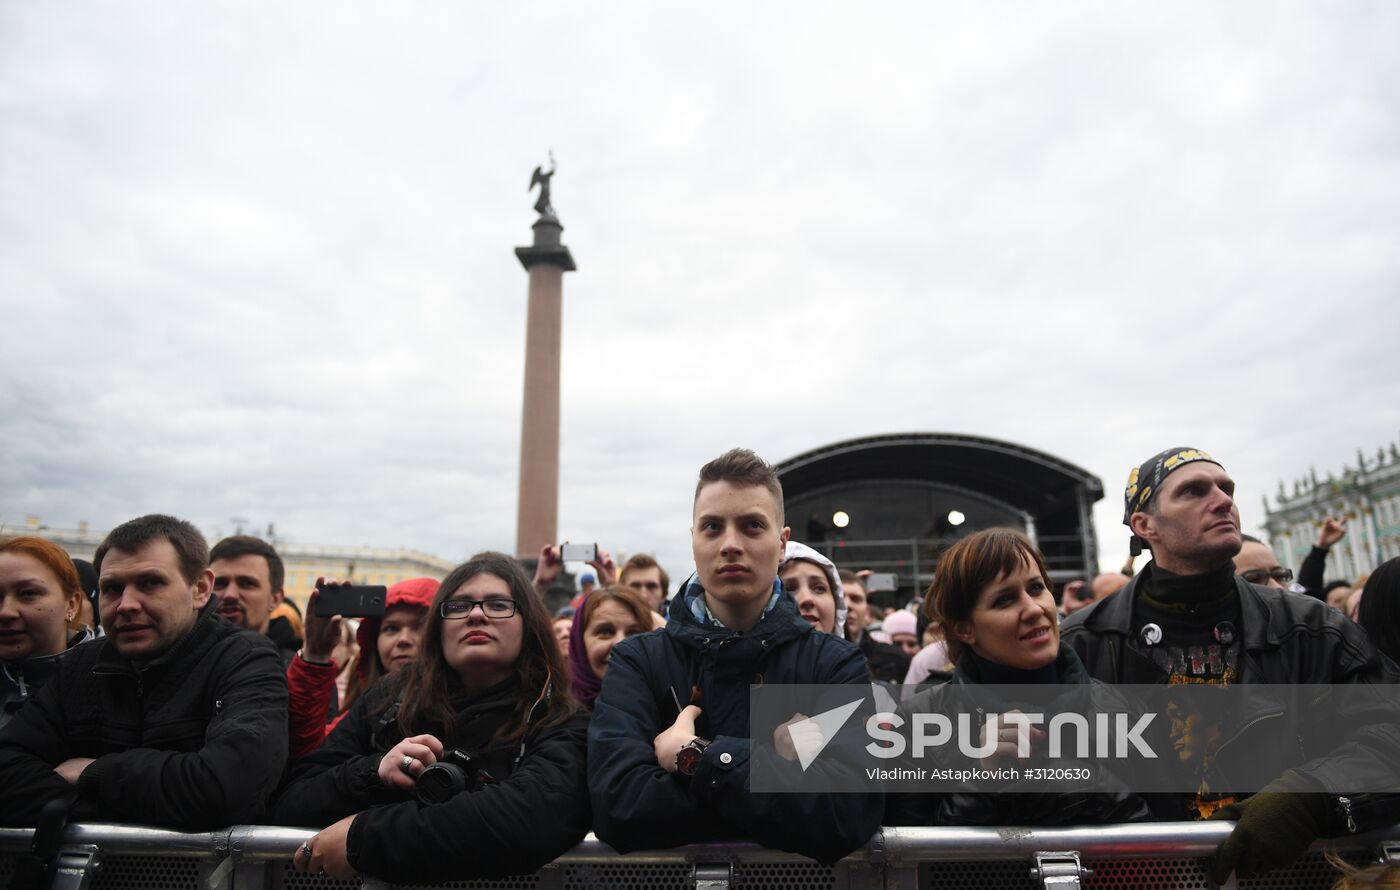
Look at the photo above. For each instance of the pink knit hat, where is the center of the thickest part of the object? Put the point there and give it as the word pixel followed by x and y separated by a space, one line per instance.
pixel 901 622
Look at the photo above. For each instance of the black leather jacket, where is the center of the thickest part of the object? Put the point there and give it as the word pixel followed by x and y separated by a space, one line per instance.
pixel 1287 638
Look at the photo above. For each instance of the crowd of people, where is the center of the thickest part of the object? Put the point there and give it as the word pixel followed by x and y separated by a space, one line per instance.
pixel 466 732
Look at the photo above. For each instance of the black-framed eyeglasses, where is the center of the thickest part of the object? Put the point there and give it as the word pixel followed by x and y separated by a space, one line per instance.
pixel 497 607
pixel 1262 576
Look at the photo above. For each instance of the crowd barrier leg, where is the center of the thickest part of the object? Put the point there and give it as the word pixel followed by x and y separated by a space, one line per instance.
pixel 77 867
pixel 1059 871
pixel 713 875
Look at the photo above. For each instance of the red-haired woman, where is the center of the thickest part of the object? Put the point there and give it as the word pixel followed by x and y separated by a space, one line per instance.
pixel 468 763
pixel 39 596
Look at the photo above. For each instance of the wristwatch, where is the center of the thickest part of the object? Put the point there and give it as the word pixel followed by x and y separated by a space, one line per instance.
pixel 688 757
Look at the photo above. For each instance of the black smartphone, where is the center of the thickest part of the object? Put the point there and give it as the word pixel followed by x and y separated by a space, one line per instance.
pixel 351 600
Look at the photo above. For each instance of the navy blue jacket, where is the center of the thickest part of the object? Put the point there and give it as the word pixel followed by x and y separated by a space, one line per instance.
pixel 637 805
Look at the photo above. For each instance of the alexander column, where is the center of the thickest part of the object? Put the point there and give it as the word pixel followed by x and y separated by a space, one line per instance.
pixel 537 513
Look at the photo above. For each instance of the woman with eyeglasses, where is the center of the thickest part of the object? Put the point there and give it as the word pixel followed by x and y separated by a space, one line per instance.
pixel 467 763
pixel 1257 564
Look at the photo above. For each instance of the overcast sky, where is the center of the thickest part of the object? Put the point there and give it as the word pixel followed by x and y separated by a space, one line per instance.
pixel 256 258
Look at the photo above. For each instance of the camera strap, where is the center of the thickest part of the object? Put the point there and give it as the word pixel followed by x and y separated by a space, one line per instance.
pixel 387 718
pixel 545 695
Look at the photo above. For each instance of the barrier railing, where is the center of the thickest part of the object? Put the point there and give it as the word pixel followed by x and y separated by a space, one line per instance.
pixel 1157 856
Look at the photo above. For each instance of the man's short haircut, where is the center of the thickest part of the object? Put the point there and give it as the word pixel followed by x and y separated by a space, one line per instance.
pixel 131 536
pixel 1333 585
pixel 740 466
pixel 1250 539
pixel 642 561
pixel 849 577
pixel 247 545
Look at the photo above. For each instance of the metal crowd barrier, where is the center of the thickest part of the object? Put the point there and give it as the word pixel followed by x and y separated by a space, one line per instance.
pixel 1156 856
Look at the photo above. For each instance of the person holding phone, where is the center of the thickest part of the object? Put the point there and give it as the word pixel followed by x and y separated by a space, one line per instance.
pixel 467 763
pixel 387 642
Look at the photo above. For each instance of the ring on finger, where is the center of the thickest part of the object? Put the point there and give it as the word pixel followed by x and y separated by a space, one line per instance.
pixel 306 848
pixel 407 762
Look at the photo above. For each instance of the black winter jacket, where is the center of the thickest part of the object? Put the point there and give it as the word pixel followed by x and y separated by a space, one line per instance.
pixel 888 663
pixel 1288 638
pixel 536 810
pixel 1029 807
pixel 638 805
pixel 20 680
pixel 194 739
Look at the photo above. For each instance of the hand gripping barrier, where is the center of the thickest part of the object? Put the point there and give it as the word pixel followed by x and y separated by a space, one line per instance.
pixel 1154 856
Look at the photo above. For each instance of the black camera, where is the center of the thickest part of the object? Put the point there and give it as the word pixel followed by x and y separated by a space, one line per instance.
pixel 455 772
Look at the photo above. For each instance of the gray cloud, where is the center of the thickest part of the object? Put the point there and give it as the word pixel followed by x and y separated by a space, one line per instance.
pixel 258 259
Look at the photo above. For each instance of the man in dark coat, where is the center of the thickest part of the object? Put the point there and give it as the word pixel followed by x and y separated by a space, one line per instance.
pixel 248 579
pixel 1187 618
pixel 175 718
pixel 887 663
pixel 669 745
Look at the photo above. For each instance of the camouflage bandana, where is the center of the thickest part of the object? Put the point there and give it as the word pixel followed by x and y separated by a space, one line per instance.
pixel 1146 480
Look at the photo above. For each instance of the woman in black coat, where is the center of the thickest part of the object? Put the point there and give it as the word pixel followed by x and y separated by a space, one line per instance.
pixel 991 594
pixel 468 763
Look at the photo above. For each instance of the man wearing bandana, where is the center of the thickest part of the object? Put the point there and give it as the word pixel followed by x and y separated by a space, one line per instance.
pixel 1186 618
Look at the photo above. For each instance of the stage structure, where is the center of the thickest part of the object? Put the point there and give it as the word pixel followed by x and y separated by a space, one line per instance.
pixel 537 514
pixel 894 503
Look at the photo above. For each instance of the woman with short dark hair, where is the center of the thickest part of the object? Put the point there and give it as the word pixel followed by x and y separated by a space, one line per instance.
pixel 477 748
pixel 991 594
